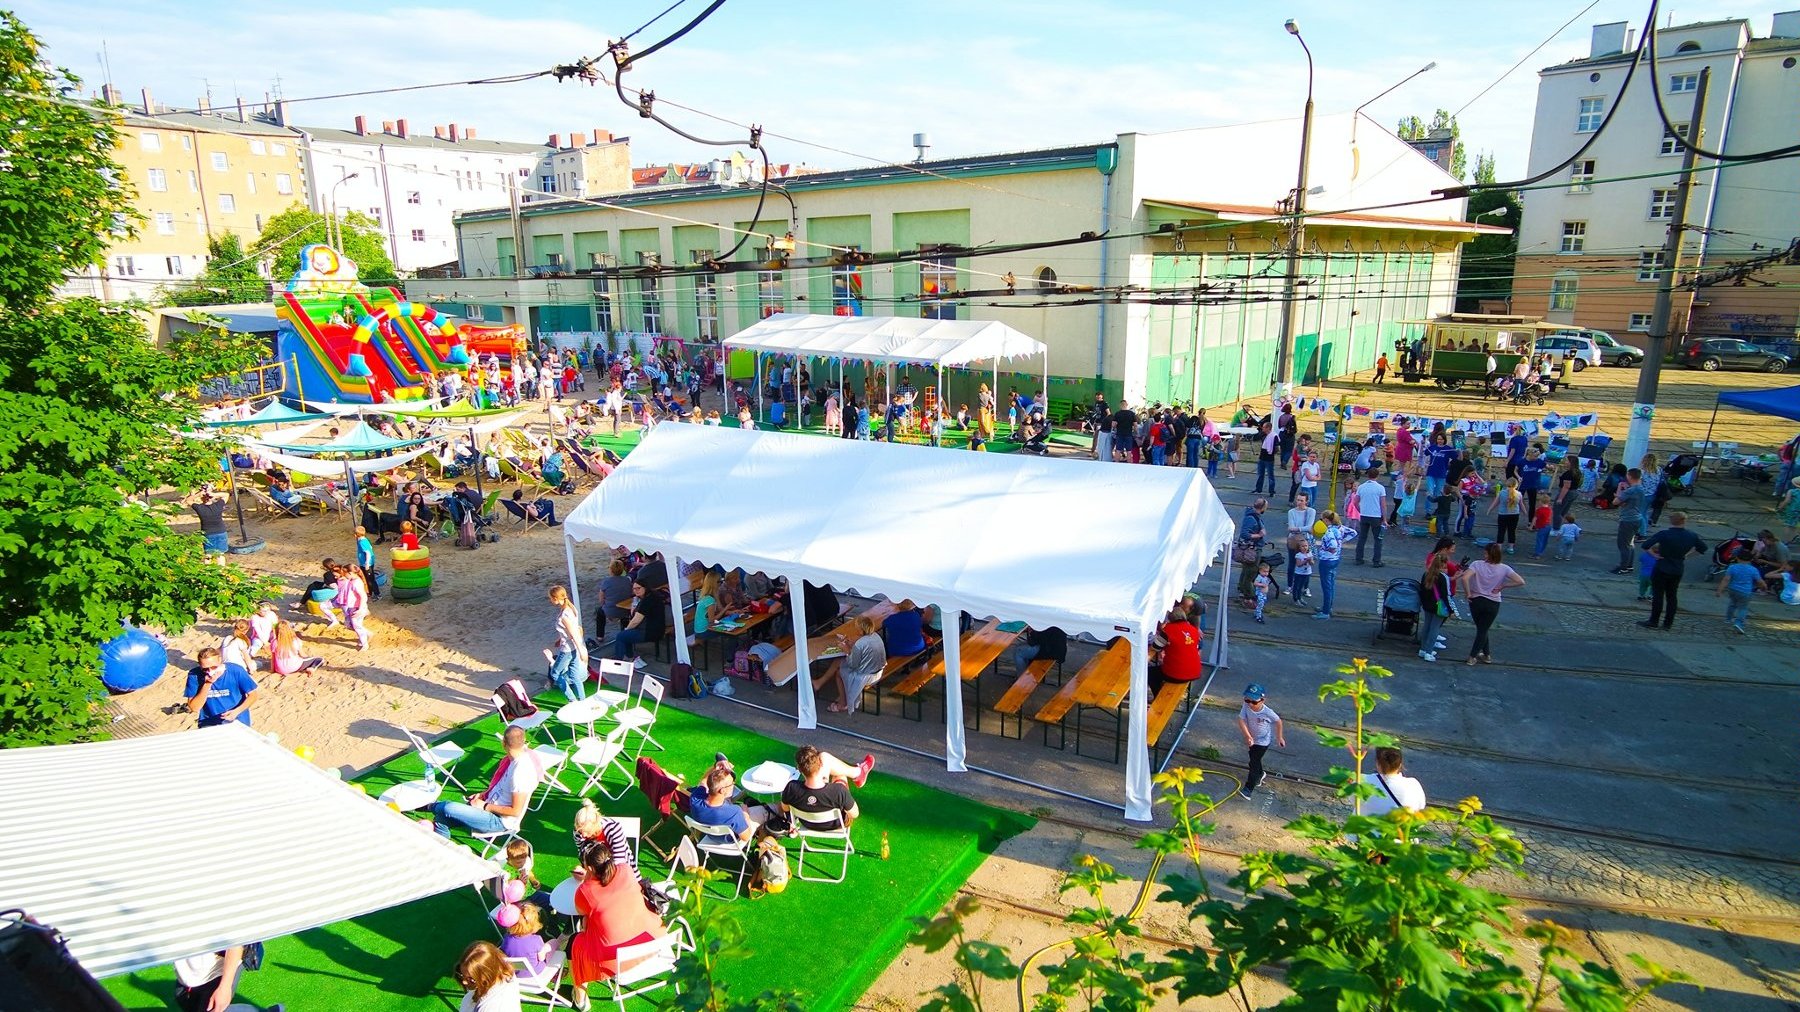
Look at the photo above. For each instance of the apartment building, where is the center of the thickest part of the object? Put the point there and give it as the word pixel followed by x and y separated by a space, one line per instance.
pixel 1590 247
pixel 193 175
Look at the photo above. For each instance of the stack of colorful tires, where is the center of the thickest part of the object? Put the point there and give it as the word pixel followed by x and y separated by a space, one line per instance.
pixel 412 574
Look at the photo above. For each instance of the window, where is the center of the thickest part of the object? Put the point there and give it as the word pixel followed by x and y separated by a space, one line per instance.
pixel 250 183
pixel 259 222
pixel 173 266
pixel 1662 204
pixel 1581 176
pixel 1574 236
pixel 603 304
pixel 284 183
pixel 1046 278
pixel 706 297
pixel 150 141
pixel 278 150
pixel 1639 323
pixel 375 212
pixel 165 223
pixel 187 143
pixel 1650 265
pixel 1690 46
pixel 650 292
pixel 258 148
pixel 219 162
pixel 937 278
pixel 227 203
pixel 418 235
pixel 124 266
pixel 770 299
pixel 159 181
pixel 193 181
pixel 846 290
pixel 1670 144
pixel 1679 83
pixel 412 196
pixel 1562 293
pixel 1589 114
pixel 546 183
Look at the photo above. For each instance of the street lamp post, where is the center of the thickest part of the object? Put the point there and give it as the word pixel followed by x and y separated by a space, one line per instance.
pixel 1280 383
pixel 336 243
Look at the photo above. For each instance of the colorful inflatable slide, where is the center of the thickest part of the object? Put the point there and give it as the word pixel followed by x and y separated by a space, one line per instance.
pixel 343 341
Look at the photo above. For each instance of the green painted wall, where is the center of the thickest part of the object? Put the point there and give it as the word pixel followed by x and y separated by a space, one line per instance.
pixel 845 230
pixel 504 253
pixel 563 317
pixel 587 244
pixel 633 241
pixel 544 245
pixel 741 297
pixel 682 310
pixel 921 228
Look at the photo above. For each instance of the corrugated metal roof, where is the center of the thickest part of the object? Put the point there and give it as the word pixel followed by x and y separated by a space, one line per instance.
pixel 476 146
pixel 147 850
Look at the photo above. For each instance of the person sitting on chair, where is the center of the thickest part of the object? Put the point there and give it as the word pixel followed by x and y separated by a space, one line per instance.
pixel 865 663
pixel 824 785
pixel 503 804
pixel 282 491
pixel 541 508
pixel 903 632
pixel 710 805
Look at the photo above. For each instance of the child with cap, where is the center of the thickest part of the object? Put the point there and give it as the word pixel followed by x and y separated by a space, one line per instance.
pixel 1262 727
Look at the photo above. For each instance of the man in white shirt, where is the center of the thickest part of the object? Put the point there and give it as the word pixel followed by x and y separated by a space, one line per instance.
pixel 503 804
pixel 1371 507
pixel 1393 788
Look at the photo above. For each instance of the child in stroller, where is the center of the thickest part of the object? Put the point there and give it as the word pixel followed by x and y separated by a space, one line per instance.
pixel 1398 607
pixel 1678 475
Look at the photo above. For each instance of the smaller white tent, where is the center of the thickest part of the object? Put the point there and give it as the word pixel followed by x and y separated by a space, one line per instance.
pixel 1092 548
pixel 886 339
pixel 146 850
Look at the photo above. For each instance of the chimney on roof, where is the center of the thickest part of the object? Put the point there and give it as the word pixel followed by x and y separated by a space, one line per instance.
pixel 438 132
pixel 362 126
pixel 578 140
pixel 204 104
pixel 281 115
pixel 400 128
pixel 240 105
pixel 455 134
pixel 602 136
pixel 109 94
pixel 469 134
pixel 149 103
pixel 1608 40
pixel 268 104
pixel 387 126
pixel 555 141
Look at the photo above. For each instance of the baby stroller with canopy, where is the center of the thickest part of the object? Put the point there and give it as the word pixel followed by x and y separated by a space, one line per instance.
pixel 1726 553
pixel 1678 474
pixel 1398 607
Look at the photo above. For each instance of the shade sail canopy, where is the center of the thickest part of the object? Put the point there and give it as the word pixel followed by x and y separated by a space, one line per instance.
pixel 363 438
pixel 1076 544
pixel 272 413
pixel 1783 403
pixel 886 339
pixel 146 850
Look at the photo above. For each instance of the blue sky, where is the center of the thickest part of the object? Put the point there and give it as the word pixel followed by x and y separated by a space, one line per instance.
pixel 980 75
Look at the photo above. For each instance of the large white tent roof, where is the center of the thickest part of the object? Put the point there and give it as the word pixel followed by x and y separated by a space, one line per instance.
pixel 886 339
pixel 146 850
pixel 1088 547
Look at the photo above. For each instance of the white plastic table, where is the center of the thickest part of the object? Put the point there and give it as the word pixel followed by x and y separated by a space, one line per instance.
pixel 768 778
pixel 412 795
pixel 562 898
pixel 583 712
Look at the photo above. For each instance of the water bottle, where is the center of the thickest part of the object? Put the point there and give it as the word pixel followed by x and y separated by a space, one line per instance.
pixel 884 845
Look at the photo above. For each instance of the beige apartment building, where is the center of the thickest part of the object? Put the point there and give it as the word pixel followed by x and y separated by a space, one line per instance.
pixel 192 175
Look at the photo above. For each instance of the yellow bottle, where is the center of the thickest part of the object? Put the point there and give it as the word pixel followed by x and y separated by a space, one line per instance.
pixel 884 845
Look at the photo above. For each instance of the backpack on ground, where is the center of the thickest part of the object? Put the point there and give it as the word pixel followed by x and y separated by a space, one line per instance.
pixel 747 666
pixel 685 682
pixel 771 866
pixel 515 702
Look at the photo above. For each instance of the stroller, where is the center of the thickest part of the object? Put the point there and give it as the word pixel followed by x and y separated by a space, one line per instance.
pixel 1399 609
pixel 1678 474
pixel 1726 553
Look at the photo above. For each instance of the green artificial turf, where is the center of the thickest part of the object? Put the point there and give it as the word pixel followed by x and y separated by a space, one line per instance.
pixel 829 942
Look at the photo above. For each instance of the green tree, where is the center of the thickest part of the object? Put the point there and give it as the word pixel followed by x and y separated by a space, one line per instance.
pixel 1486 268
pixel 1484 169
pixel 91 407
pixel 230 276
pixel 286 234
pixel 1412 128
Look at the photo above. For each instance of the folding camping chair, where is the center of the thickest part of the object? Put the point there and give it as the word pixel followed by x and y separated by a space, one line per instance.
pixel 667 797
pixel 527 518
pixel 598 756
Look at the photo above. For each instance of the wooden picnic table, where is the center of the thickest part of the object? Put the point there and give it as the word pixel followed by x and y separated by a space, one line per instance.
pixel 1102 681
pixel 782 669
pixel 980 649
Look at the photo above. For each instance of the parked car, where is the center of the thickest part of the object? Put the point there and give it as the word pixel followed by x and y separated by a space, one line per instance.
pixel 1710 353
pixel 1611 351
pixel 1580 351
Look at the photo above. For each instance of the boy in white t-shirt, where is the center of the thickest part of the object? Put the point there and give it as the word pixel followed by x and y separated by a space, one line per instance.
pixel 1566 536
pixel 1262 728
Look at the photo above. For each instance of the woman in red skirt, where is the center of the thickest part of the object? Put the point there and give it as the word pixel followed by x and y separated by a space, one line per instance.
pixel 613 904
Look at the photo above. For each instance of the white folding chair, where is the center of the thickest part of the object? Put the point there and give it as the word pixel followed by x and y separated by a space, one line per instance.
pixel 528 723
pixel 641 718
pixel 826 834
pixel 597 756
pixel 437 758
pixel 543 987
pixel 716 841
pixel 622 670
pixel 633 828
pixel 553 760
pixel 643 968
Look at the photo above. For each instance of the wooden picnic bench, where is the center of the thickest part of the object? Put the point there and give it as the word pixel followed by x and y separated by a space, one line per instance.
pixel 781 669
pixel 980 649
pixel 1102 681
pixel 1022 687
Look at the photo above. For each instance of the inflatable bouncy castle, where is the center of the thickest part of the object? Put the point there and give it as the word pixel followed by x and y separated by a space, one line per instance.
pixel 340 340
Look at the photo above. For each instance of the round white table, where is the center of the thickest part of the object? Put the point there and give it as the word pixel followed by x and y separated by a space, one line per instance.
pixel 412 795
pixel 583 712
pixel 768 778
pixel 562 898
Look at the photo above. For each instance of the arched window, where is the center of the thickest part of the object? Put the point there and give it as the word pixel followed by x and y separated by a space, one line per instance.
pixel 1046 278
pixel 1690 46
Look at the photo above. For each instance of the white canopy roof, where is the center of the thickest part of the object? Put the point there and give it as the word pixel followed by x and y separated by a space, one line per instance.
pixel 146 850
pixel 1088 547
pixel 886 339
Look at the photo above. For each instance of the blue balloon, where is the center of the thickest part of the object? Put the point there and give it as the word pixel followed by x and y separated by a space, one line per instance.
pixel 132 660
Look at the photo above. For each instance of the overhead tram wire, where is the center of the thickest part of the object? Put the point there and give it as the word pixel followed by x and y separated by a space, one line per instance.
pixel 398 89
pixel 1684 143
pixel 634 33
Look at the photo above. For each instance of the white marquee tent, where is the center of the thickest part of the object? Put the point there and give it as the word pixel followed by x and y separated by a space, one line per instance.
pixel 142 851
pixel 890 340
pixel 1088 547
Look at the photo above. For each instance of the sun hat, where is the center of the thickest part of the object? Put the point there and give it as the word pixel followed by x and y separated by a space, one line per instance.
pixel 1254 691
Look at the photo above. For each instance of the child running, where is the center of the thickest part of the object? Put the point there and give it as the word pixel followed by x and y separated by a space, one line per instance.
pixel 1541 523
pixel 1741 580
pixel 1262 727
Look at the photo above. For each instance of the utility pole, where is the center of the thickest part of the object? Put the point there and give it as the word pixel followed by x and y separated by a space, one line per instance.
pixel 1282 381
pixel 1643 408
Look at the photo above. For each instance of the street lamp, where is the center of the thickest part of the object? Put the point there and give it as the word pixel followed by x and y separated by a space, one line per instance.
pixel 1356 117
pixel 1290 320
pixel 337 243
pixel 1498 212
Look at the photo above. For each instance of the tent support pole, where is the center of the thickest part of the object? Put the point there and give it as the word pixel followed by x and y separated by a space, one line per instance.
pixel 1137 755
pixel 806 709
pixel 956 751
pixel 574 584
pixel 725 404
pixel 672 563
pixel 1043 397
pixel 1706 447
pixel 1221 657
pixel 940 397
pixel 759 387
